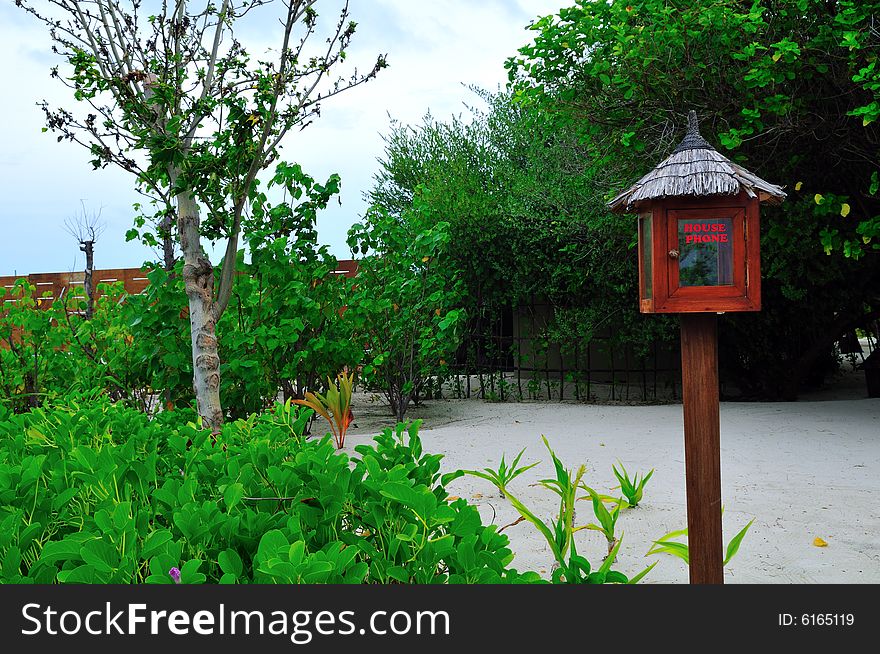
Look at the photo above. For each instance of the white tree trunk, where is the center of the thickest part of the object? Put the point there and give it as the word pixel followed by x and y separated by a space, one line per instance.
pixel 89 248
pixel 198 276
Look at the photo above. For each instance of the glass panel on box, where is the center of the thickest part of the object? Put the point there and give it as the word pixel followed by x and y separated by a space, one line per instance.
pixel 647 271
pixel 706 252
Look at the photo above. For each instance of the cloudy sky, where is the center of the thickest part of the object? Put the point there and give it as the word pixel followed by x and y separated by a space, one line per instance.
pixel 434 48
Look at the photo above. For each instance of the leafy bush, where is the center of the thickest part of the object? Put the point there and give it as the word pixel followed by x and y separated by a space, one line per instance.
pixel 527 220
pixel 48 348
pixel 406 304
pixel 772 81
pixel 99 493
pixel 29 343
pixel 158 321
pixel 286 330
pixel 290 325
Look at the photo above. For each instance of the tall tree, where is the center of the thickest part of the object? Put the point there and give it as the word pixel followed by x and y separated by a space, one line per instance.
pixel 174 98
pixel 791 88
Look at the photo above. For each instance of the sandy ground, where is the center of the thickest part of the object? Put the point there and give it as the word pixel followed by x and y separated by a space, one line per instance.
pixel 803 470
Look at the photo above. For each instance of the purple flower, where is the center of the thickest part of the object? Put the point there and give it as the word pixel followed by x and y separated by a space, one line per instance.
pixel 175 574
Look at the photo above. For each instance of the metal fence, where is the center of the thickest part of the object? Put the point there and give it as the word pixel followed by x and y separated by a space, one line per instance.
pixel 507 356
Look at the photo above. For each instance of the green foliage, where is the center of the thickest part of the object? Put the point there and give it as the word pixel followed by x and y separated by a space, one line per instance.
pixel 406 305
pixel 408 525
pixel 666 545
pixel 104 348
pixel 570 567
pixel 92 492
pixel 789 89
pixel 632 489
pixel 204 120
pixel 808 299
pixel 29 344
pixel 286 329
pixel 769 77
pixel 160 330
pixel 49 349
pixel 504 474
pixel 525 206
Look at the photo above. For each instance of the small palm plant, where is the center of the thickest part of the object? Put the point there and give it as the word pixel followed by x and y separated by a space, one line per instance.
pixel 504 474
pixel 631 488
pixel 666 545
pixel 559 530
pixel 334 406
pixel 607 519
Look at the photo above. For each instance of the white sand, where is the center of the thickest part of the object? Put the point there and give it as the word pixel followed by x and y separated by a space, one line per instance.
pixel 803 469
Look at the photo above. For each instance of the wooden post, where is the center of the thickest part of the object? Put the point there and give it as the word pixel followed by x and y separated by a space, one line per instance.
pixel 702 445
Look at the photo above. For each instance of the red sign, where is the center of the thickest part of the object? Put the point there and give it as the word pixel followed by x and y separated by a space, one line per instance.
pixel 705 232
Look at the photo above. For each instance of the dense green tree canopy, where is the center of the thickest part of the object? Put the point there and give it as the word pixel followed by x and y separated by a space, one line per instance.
pixel 526 211
pixel 790 86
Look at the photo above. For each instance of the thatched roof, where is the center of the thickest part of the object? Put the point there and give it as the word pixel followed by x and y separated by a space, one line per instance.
pixel 695 168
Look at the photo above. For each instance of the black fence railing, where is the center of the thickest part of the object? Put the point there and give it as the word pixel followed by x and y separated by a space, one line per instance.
pixel 507 355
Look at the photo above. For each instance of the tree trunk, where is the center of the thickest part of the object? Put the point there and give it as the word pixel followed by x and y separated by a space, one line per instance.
pixel 31 400
pixel 168 258
pixel 398 403
pixel 198 277
pixel 802 366
pixel 168 261
pixel 89 248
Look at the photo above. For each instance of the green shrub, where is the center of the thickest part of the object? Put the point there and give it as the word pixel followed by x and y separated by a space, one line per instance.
pixel 32 336
pixel 286 330
pixel 48 349
pixel 99 493
pixel 406 303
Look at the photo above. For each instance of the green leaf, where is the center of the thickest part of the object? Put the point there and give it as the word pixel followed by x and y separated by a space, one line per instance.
pixel 636 579
pixel 673 534
pixel 232 495
pixel 733 545
pixel 675 549
pixel 189 573
pixel 296 553
pixel 230 563
pixel 100 555
pixel 537 522
pixel 271 543
pixel 398 573
pixel 155 543
pixel 68 549
pixel 420 502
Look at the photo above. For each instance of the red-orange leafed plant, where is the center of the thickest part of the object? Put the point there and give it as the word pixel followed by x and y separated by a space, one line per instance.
pixel 334 406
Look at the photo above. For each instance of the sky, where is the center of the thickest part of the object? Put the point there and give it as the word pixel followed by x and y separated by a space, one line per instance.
pixel 435 49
